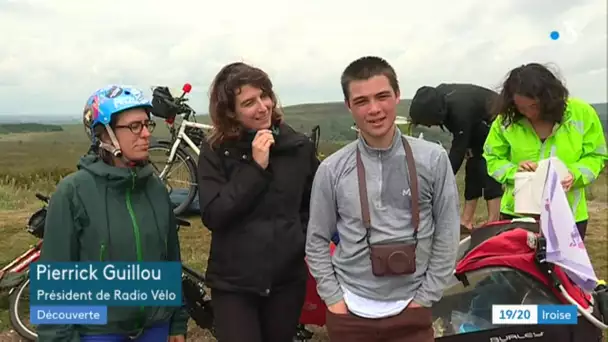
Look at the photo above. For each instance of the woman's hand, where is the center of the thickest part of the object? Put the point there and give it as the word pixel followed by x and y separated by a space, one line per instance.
pixel 261 147
pixel 567 182
pixel 528 166
pixel 177 338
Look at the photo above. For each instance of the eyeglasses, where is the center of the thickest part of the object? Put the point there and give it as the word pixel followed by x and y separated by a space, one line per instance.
pixel 137 126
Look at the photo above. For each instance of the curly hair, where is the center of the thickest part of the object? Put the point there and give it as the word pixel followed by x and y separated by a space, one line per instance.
pixel 222 99
pixel 537 82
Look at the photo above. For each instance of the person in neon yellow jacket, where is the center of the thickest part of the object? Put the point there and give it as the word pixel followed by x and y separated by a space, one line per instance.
pixel 538 119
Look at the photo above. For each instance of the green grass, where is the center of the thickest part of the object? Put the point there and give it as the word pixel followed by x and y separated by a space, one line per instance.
pixel 31 163
pixel 28 127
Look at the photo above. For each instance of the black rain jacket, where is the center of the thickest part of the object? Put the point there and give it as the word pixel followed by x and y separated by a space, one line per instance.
pixel 464 110
pixel 257 217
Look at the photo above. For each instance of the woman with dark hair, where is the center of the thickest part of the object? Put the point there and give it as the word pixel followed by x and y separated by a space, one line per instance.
pixel 536 120
pixel 255 177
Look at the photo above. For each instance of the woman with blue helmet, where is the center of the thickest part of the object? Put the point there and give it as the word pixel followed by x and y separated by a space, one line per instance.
pixel 114 209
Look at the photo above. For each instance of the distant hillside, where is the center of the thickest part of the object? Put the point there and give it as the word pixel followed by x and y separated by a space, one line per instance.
pixel 46 119
pixel 335 120
pixel 602 112
pixel 28 128
pixel 333 117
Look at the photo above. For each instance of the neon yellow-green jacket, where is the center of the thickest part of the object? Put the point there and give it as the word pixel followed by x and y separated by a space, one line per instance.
pixel 579 142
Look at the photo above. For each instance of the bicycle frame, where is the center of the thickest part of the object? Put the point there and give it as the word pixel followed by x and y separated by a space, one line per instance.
pixel 181 135
pixel 24 260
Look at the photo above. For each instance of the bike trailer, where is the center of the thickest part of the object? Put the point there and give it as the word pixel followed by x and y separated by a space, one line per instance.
pixel 504 264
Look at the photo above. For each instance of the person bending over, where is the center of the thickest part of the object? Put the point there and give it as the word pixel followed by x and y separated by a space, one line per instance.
pixel 465 110
pixel 379 285
pixel 537 119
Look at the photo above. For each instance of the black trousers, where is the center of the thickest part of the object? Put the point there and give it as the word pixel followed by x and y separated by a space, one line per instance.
pixel 581 226
pixel 243 317
pixel 478 182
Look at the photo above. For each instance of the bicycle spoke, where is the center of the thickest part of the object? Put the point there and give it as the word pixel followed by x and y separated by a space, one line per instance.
pixel 177 169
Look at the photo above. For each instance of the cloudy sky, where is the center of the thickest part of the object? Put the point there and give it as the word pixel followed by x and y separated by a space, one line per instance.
pixel 56 52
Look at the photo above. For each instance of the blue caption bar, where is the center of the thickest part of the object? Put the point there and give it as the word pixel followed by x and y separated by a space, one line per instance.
pixel 106 283
pixel 69 315
pixel 557 314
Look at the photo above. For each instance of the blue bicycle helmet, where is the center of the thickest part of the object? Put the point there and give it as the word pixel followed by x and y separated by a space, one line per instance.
pixel 106 102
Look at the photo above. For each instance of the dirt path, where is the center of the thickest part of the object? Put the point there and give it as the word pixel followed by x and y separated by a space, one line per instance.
pixel 594 207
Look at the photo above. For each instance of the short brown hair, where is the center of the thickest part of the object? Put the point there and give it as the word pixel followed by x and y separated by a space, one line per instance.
pixel 535 81
pixel 365 68
pixel 222 99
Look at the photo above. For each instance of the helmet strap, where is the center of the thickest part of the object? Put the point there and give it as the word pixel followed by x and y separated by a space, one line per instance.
pixel 114 148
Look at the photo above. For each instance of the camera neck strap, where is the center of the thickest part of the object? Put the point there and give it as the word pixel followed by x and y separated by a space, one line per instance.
pixel 413 180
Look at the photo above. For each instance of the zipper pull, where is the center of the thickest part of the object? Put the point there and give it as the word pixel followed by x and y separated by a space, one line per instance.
pixel 132 179
pixel 102 252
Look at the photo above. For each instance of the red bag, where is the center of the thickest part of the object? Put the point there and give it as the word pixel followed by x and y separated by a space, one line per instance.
pixel 313 311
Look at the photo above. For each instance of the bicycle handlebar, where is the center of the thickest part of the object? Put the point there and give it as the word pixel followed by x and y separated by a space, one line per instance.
pixel 178 103
pixel 187 110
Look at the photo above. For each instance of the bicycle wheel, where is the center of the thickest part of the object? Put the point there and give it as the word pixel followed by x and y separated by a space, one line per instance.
pixel 182 165
pixel 18 302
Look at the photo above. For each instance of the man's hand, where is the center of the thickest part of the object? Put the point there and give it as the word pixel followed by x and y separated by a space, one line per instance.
pixel 413 305
pixel 338 308
pixel 567 182
pixel 529 166
pixel 261 147
pixel 177 338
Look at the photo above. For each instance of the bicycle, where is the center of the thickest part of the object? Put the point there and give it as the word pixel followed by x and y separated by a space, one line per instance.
pixel 15 275
pixel 189 134
pixel 15 278
pixel 196 297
